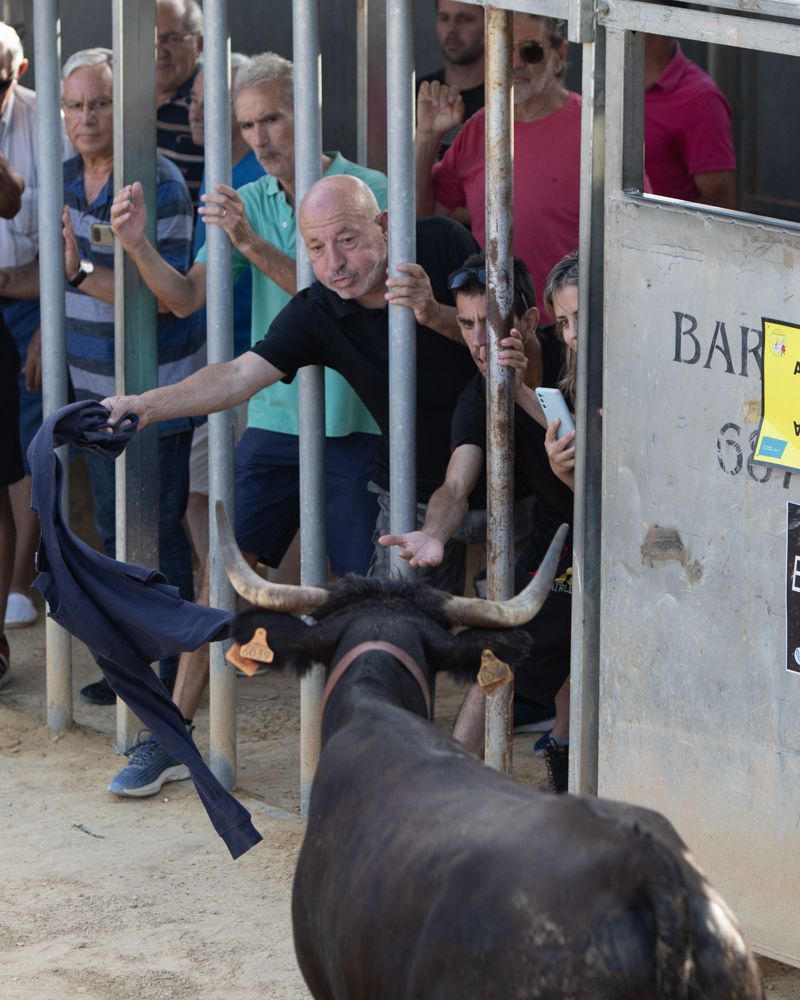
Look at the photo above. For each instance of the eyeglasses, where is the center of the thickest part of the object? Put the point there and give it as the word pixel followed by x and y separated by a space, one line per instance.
pixel 529 52
pixel 173 38
pixel 101 107
pixel 5 84
pixel 463 275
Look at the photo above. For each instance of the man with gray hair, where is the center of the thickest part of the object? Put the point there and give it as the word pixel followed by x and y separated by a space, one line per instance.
pixel 87 103
pixel 19 253
pixel 179 44
pixel 259 219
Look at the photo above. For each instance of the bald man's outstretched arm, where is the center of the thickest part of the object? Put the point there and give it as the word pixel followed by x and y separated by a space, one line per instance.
pixel 213 388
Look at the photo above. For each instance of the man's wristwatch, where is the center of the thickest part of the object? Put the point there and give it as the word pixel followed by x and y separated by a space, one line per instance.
pixel 84 270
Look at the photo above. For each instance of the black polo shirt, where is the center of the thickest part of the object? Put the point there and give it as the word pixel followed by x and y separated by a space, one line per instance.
pixel 317 327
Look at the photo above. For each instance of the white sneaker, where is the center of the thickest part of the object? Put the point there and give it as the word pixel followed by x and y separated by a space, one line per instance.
pixel 20 611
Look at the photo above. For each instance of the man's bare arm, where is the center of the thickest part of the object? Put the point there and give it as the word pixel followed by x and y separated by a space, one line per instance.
pixel 213 388
pixel 412 288
pixel 446 510
pixel 439 108
pixel 11 187
pixel 20 282
pixel 718 187
pixel 180 294
pixel 224 208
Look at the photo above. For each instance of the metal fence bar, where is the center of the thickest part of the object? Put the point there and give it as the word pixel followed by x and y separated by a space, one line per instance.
pixel 313 545
pixel 135 337
pixel 703 26
pixel 46 30
pixel 362 80
pixel 499 382
pixel 402 248
pixel 585 667
pixel 219 317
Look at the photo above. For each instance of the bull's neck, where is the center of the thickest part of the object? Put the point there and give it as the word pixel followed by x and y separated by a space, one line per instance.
pixel 374 678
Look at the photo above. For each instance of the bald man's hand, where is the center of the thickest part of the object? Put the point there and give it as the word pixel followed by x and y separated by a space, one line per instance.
pixel 412 288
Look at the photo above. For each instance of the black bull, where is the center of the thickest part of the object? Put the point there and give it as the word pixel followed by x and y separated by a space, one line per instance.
pixel 424 874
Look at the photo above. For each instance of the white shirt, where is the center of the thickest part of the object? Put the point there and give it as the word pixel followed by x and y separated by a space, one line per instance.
pixel 19 237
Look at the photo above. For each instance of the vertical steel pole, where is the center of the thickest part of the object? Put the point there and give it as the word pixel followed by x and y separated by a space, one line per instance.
pixel 219 313
pixel 585 669
pixel 135 334
pixel 402 248
pixel 499 381
pixel 362 90
pixel 46 29
pixel 313 546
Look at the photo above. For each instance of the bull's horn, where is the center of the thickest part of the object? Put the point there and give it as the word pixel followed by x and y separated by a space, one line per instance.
pixel 255 589
pixel 479 613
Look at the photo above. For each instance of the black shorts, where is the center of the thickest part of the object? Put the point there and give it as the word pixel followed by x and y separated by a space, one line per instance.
pixel 11 469
pixel 540 676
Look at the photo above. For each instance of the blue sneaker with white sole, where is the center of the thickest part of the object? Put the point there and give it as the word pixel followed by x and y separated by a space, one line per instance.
pixel 149 767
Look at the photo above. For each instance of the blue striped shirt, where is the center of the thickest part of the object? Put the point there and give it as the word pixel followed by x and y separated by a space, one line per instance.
pixel 89 323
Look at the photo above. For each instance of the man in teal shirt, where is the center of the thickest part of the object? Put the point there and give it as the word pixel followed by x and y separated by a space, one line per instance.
pixel 259 219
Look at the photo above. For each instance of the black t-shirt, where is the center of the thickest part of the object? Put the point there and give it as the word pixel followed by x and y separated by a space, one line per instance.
pixel 532 473
pixel 317 327
pixel 474 100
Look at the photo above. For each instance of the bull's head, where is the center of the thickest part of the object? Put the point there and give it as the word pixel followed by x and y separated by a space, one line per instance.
pixel 469 611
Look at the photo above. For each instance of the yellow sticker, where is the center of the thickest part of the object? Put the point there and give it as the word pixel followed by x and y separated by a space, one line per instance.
pixel 779 434
pixel 493 673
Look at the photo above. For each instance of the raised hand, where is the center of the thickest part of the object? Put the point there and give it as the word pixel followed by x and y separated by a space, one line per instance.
pixel 419 548
pixel 561 454
pixel 129 215
pixel 412 288
pixel 72 257
pixel 224 208
pixel 439 107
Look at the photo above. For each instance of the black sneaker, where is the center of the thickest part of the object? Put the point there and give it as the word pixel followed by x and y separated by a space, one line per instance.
pixel 5 655
pixel 556 759
pixel 99 693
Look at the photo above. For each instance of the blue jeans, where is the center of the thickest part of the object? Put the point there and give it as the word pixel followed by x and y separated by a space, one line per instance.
pixel 175 554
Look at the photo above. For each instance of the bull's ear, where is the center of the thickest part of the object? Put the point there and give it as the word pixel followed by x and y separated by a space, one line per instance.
pixel 285 636
pixel 461 656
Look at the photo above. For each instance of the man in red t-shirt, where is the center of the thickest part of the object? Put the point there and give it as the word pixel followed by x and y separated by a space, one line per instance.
pixel 688 147
pixel 547 141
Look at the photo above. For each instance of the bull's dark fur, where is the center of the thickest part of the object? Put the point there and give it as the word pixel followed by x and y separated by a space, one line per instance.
pixel 424 874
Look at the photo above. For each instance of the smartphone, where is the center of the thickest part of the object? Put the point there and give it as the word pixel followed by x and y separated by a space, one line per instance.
pixel 102 236
pixel 554 405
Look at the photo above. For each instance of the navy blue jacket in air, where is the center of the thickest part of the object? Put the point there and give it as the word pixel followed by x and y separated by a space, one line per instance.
pixel 127 615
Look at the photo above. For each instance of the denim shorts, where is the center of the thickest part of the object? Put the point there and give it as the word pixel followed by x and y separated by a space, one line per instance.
pixel 267 497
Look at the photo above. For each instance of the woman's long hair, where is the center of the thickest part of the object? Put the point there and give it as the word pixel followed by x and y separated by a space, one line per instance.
pixel 564 274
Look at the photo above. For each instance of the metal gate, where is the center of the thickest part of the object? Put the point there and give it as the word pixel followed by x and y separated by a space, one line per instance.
pixel 698 715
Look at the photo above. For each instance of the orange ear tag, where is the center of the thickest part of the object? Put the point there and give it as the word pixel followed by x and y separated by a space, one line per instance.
pixel 248 656
pixel 493 673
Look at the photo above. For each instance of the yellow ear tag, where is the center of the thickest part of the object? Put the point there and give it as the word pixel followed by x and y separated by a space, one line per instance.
pixel 248 656
pixel 493 673
pixel 258 647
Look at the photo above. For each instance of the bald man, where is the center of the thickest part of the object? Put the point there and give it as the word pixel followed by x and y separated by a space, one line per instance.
pixel 341 322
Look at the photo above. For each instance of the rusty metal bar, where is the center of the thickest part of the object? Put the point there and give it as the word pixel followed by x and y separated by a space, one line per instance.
pixel 313 545
pixel 500 382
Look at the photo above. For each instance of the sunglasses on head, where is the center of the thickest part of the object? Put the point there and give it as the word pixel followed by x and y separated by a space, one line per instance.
pixel 530 52
pixel 463 275
pixel 5 84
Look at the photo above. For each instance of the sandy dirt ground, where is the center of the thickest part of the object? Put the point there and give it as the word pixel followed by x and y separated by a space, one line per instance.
pixel 104 898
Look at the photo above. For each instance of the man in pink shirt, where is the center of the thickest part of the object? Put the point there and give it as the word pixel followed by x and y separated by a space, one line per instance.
pixel 688 145
pixel 547 139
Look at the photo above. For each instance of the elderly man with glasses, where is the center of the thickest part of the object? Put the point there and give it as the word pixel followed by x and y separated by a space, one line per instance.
pixel 179 44
pixel 87 102
pixel 547 143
